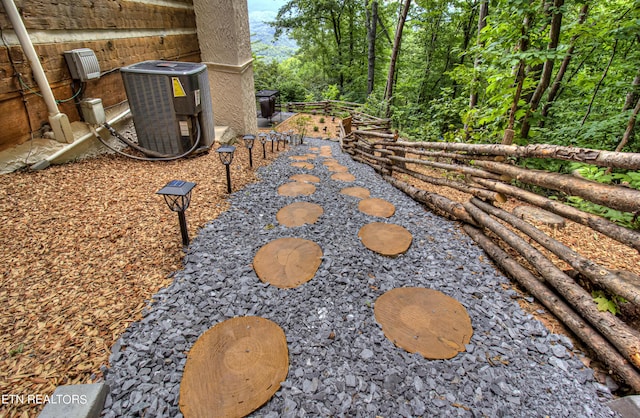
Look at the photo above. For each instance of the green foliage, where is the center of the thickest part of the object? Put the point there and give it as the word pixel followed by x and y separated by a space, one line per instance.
pixel 331 92
pixel 610 304
pixel 442 61
pixel 18 350
pixel 301 123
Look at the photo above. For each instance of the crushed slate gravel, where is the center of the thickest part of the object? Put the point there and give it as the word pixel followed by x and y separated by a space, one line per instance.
pixel 341 364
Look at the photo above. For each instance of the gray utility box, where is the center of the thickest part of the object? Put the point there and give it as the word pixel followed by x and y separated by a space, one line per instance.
pixel 168 100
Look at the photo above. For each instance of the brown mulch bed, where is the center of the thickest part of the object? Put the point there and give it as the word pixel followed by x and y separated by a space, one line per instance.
pixel 84 247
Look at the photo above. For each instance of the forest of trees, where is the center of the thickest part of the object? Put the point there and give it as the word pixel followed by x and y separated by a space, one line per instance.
pixel 491 71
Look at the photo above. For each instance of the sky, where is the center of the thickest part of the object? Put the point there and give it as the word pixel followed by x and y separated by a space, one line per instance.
pixel 265 5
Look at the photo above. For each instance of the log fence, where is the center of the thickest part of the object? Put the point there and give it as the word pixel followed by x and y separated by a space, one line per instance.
pixel 488 174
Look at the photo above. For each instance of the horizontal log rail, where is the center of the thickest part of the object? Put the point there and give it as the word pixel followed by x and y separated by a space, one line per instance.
pixel 623 160
pixel 608 353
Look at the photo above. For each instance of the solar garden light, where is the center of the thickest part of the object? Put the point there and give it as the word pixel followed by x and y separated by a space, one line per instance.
pixel 226 156
pixel 272 137
pixel 248 142
pixel 278 138
pixel 263 141
pixel 177 195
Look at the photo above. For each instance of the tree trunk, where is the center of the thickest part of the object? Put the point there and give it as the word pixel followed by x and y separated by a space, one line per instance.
pixel 555 89
pixel 626 236
pixel 606 352
pixel 509 132
pixel 630 125
pixel 388 94
pixel 624 199
pixel 597 88
pixel 633 93
pixel 435 202
pixel 623 337
pixel 623 160
pixel 372 30
pixel 596 274
pixel 482 22
pixel 545 78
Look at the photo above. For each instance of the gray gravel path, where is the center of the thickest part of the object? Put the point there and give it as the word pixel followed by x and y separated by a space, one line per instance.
pixel 513 367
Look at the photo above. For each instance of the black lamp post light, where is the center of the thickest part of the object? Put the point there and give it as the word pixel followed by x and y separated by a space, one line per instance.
pixel 263 141
pixel 248 142
pixel 272 137
pixel 177 195
pixel 226 156
pixel 278 138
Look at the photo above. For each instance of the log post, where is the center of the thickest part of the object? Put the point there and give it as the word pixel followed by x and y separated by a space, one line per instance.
pixel 462 169
pixel 620 198
pixel 597 274
pixel 623 160
pixel 433 201
pixel 605 351
pixel 597 223
pixel 623 337
pixel 476 191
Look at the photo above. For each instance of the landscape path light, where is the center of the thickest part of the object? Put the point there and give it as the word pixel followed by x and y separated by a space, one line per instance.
pixel 263 141
pixel 248 142
pixel 278 138
pixel 272 137
pixel 177 195
pixel 226 156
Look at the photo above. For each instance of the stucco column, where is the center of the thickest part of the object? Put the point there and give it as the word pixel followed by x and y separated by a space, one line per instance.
pixel 225 47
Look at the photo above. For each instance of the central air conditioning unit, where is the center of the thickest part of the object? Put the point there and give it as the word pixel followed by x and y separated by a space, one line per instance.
pixel 171 105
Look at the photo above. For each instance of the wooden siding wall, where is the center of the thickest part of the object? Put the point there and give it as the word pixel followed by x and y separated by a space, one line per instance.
pixel 119 32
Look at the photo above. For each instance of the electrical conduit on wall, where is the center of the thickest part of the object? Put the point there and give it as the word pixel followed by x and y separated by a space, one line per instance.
pixel 59 121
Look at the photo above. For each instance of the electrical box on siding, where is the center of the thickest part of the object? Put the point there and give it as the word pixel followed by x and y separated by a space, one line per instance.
pixel 83 64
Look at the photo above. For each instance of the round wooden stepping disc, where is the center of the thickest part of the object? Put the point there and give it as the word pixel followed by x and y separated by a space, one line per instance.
pixel 299 213
pixel 385 239
pixel 299 157
pixel 287 262
pixel 330 161
pixel 300 164
pixel 377 207
pixel 296 188
pixel 234 368
pixel 359 192
pixel 337 168
pixel 305 178
pixel 347 177
pixel 424 321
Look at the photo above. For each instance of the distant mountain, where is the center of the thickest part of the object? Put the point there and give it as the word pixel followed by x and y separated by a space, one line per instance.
pixel 261 12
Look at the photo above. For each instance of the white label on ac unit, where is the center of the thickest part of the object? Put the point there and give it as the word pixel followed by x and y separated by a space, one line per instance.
pixel 184 128
pixel 178 89
pixel 197 94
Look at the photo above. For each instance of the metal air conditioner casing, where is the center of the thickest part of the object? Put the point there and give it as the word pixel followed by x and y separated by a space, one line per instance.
pixel 168 99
